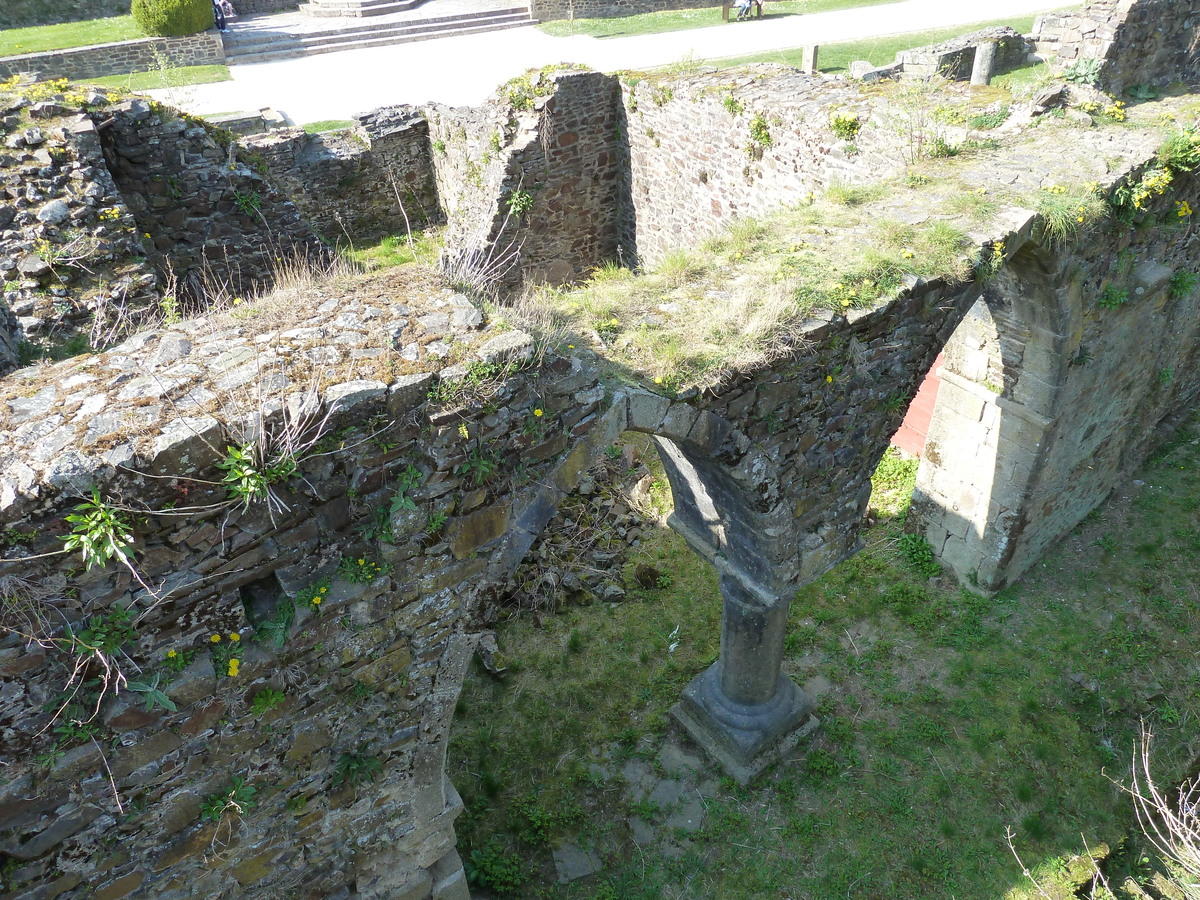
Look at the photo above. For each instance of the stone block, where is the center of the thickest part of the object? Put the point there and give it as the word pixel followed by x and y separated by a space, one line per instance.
pixel 468 533
pixel 121 887
pixel 646 411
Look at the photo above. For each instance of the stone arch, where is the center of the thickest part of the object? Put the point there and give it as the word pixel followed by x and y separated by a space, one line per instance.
pixel 1001 387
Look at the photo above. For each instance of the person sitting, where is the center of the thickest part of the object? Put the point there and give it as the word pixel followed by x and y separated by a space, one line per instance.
pixel 743 8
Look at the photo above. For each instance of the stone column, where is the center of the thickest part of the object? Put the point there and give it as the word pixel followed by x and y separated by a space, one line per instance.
pixel 809 64
pixel 743 710
pixel 985 62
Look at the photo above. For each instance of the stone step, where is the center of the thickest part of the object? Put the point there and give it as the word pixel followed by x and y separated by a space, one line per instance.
pixel 357 8
pixel 290 46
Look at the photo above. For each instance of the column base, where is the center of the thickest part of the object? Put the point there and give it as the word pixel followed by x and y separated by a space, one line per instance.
pixel 744 740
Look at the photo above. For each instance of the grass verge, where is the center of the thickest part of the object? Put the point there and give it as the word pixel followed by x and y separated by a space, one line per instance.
pixel 158 79
pixel 18 41
pixel 328 125
pixel 879 51
pixel 947 719
pixel 685 19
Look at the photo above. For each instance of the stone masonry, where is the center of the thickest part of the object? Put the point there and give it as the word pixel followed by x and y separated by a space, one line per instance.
pixel 142 55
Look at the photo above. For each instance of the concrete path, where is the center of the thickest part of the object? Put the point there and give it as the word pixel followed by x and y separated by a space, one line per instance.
pixel 465 70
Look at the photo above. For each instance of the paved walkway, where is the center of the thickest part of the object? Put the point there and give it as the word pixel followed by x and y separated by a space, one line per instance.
pixel 465 70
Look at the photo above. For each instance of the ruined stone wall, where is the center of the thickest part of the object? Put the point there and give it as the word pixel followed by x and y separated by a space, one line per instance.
pixel 143 55
pixel 262 7
pixel 26 13
pixel 223 225
pixel 426 488
pixel 345 183
pixel 953 59
pixel 547 10
pixel 707 149
pixel 70 252
pixel 1139 41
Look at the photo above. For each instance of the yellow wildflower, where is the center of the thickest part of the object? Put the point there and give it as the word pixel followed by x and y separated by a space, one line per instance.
pixel 538 413
pixel 171 654
pixel 316 601
pixel 216 639
pixel 234 636
pixel 362 562
pixel 1182 208
pixel 829 379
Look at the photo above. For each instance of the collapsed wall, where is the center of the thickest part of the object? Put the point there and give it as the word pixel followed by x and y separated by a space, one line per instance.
pixel 1147 42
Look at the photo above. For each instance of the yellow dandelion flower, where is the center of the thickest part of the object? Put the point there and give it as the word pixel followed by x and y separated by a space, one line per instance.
pixel 570 346
pixel 362 562
pixel 216 639
pixel 324 590
pixel 234 636
pixel 538 413
pixel 316 601
pixel 658 379
pixel 829 379
pixel 171 654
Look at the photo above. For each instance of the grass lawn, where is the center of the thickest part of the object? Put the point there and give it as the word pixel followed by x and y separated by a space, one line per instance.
pixel 16 41
pixel 879 51
pixel 328 125
pixel 948 720
pixel 165 78
pixel 681 20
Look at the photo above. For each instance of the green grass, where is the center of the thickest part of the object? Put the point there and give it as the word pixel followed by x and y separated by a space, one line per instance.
pixel 684 19
pixel 879 51
pixel 951 717
pixel 395 250
pixel 18 41
pixel 158 79
pixel 328 125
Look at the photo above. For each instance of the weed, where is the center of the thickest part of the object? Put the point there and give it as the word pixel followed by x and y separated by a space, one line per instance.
pixel 436 522
pixel 1182 284
pixel 491 868
pixel 845 125
pixel 248 202
pixel 480 465
pixel 1082 71
pixel 918 555
pixel 154 696
pixel 237 800
pixel 99 531
pixel 733 104
pixel 226 654
pixel 760 131
pixel 519 202
pixel 355 769
pixel 821 764
pixel 1113 297
pixel 266 700
pixel 987 121
pixel 361 570
pixel 176 661
pixel 1065 211
pixel 249 474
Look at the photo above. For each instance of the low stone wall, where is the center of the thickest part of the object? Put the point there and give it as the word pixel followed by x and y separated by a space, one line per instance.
pixel 954 59
pixel 358 184
pixel 262 7
pixel 1139 41
pixel 142 55
pixel 26 13
pixel 548 10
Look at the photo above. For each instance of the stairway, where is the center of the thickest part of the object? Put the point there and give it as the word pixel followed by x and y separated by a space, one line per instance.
pixel 266 45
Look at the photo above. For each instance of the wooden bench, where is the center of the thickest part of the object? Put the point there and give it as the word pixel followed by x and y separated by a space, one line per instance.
pixel 755 9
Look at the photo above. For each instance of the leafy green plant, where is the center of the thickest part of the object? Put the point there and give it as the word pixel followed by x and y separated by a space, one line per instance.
pixel 1082 71
pixel 266 700
pixel 987 121
pixel 760 130
pixel 248 202
pixel 248 475
pixel 355 769
pixel 436 522
pixel 361 569
pixel 237 799
pixel 918 555
pixel 99 532
pixel 172 18
pixel 821 764
pixel 153 695
pixel 1113 297
pixel 1182 284
pixel 226 654
pixel 845 125
pixel 519 202
pixel 1065 211
pixel 107 632
pixel 276 626
pixel 480 465
pixel 733 104
pixel 176 661
pixel 495 870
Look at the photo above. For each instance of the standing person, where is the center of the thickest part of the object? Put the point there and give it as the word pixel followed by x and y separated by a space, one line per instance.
pixel 219 17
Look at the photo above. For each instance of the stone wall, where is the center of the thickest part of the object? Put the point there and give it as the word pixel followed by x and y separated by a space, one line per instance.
pixel 547 10
pixel 262 7
pixel 26 13
pixel 143 55
pixel 345 183
pixel 954 58
pixel 222 227
pixel 345 758
pixel 708 149
pixel 71 255
pixel 1139 41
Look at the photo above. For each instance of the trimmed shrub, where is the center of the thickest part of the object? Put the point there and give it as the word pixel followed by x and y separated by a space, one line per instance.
pixel 172 18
